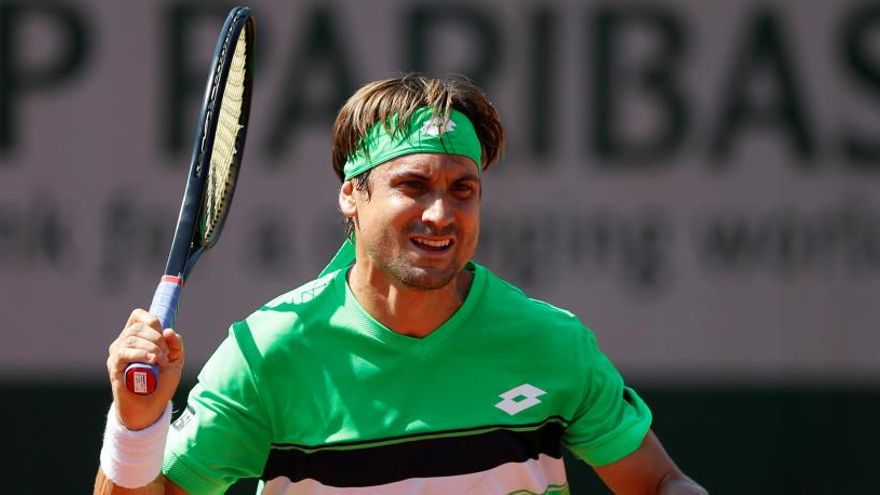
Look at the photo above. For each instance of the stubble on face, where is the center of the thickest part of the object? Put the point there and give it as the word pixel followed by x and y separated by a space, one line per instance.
pixel 416 277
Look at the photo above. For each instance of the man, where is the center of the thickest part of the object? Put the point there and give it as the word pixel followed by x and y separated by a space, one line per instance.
pixel 405 368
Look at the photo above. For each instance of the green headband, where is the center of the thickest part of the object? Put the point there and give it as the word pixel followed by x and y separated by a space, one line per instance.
pixel 426 133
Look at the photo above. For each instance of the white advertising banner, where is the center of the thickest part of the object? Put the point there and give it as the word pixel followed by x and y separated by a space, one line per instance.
pixel 699 181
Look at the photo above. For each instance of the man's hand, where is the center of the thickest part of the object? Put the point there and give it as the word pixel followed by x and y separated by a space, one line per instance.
pixel 681 485
pixel 144 341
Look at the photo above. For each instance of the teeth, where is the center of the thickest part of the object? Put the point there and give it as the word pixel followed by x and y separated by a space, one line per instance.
pixel 437 244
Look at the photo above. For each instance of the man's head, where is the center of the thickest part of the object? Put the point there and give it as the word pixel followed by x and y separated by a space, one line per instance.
pixel 410 151
pixel 402 96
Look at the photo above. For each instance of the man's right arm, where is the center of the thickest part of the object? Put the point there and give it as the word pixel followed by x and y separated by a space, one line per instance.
pixel 143 340
pixel 160 486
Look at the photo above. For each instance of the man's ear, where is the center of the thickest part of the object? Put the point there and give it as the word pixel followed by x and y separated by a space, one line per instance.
pixel 346 199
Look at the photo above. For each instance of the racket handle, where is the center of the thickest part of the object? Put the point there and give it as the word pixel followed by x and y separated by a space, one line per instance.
pixel 165 299
pixel 143 378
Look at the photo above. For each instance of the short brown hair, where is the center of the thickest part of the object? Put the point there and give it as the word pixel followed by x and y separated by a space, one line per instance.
pixel 379 100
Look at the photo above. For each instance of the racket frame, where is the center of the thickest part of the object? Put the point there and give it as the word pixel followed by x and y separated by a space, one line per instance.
pixel 186 245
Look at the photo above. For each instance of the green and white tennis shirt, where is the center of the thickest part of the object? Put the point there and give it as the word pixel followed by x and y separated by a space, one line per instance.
pixel 314 396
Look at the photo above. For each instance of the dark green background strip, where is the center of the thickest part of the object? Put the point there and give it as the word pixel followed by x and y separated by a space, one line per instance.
pixel 733 439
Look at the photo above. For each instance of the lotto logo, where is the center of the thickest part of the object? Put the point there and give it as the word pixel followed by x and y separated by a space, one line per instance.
pixel 520 398
pixel 437 126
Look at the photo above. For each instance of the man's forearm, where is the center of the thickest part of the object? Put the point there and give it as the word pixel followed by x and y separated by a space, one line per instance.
pixel 104 486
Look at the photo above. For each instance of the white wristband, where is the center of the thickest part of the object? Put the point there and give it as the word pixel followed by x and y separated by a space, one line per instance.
pixel 133 458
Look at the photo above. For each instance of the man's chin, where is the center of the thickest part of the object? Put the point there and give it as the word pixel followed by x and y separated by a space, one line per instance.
pixel 427 278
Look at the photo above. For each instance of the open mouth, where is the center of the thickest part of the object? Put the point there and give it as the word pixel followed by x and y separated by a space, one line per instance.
pixel 437 245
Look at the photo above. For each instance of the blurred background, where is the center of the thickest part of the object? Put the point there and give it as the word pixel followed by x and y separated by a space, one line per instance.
pixel 697 180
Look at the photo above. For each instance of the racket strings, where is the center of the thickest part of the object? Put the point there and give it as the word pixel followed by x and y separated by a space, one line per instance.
pixel 222 171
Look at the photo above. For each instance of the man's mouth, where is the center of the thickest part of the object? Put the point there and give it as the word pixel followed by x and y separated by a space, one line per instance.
pixel 432 244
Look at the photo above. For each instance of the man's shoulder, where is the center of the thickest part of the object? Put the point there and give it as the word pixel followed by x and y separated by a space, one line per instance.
pixel 304 297
pixel 512 319
pixel 288 311
pixel 507 300
pixel 265 341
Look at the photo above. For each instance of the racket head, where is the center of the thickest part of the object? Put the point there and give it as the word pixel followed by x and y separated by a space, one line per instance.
pixel 227 114
pixel 218 148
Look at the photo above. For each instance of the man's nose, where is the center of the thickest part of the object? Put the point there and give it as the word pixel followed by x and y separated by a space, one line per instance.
pixel 438 212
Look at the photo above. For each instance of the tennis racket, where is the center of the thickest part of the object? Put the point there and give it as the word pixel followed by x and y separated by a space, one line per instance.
pixel 213 173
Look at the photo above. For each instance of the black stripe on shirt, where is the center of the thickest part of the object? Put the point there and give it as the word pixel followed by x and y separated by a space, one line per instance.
pixel 417 458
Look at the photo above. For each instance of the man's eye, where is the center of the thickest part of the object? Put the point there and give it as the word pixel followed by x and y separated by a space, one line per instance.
pixel 412 185
pixel 464 189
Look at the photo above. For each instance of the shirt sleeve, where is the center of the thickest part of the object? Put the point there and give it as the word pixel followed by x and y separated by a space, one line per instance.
pixel 612 420
pixel 224 434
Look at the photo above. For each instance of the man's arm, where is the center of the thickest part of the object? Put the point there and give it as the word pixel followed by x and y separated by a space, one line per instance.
pixel 142 340
pixel 160 486
pixel 648 470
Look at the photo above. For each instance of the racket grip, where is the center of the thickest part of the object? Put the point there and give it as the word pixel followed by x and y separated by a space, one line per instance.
pixel 143 378
pixel 165 299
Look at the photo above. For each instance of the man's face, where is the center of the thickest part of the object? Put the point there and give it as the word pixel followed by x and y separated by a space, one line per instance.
pixel 420 222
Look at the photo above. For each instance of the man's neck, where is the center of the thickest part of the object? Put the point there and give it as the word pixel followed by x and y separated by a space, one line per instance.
pixel 415 313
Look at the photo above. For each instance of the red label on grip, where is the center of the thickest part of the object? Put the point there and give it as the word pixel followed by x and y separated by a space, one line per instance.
pixel 140 381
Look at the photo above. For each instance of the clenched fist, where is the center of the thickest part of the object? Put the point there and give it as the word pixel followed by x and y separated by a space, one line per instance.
pixel 144 341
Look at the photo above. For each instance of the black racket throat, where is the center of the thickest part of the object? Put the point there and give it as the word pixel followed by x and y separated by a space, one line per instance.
pixel 186 247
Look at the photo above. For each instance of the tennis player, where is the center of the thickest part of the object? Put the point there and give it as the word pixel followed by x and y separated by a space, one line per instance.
pixel 406 367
